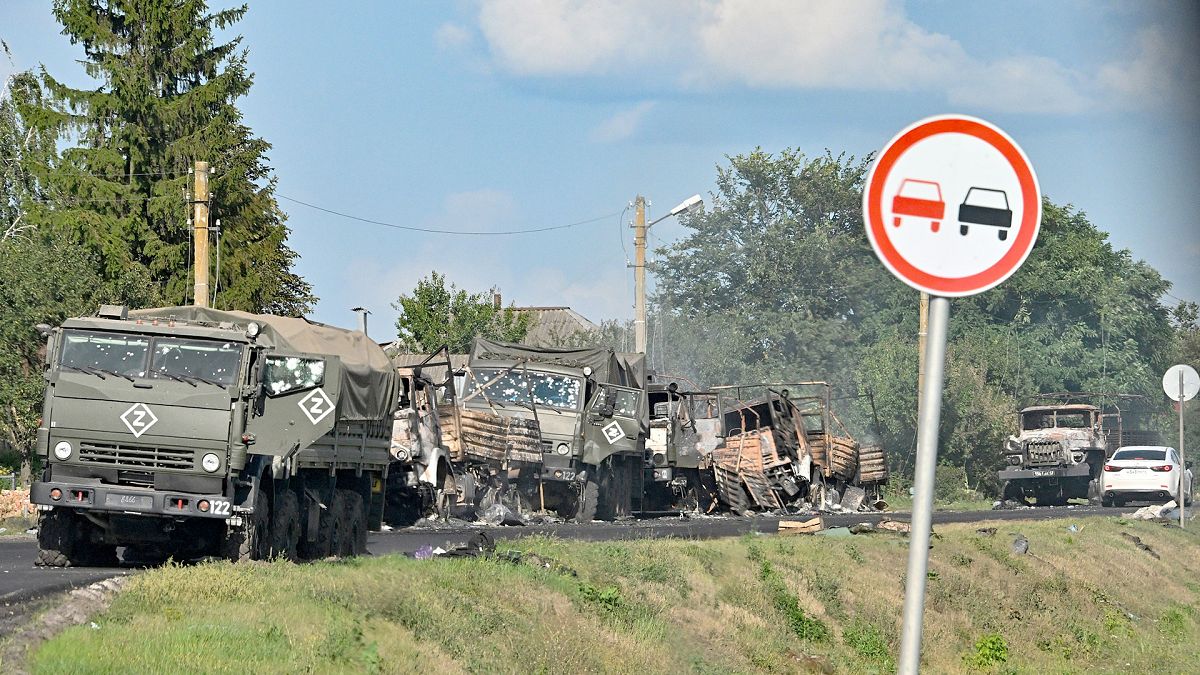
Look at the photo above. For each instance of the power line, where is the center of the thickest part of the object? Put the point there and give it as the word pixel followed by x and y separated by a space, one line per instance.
pixel 438 231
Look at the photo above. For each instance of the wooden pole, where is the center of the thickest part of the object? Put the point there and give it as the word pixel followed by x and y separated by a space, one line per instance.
pixel 639 275
pixel 200 233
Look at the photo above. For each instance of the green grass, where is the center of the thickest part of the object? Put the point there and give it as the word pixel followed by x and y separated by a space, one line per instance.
pixel 750 604
pixel 898 502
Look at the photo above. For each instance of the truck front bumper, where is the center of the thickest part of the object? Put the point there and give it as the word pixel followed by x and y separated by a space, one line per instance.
pixel 128 500
pixel 1073 471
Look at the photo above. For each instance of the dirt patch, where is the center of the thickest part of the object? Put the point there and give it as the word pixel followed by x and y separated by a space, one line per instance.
pixel 32 624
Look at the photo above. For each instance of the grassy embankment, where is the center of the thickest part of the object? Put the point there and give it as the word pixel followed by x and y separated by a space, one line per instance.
pixel 1090 601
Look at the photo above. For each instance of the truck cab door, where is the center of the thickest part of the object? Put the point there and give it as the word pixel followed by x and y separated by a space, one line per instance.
pixel 295 404
pixel 614 422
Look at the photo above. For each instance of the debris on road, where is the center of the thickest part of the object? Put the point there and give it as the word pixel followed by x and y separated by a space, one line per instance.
pixel 1166 511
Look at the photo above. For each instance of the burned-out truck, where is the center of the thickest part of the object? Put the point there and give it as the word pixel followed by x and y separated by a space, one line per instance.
pixel 546 429
pixel 684 430
pixel 1061 446
pixel 186 431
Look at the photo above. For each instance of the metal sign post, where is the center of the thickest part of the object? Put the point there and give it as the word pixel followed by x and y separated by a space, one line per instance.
pixel 1181 383
pixel 922 508
pixel 952 208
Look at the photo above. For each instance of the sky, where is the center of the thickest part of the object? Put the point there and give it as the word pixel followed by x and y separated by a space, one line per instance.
pixel 498 115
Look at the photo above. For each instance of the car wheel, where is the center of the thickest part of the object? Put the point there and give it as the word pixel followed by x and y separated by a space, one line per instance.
pixel 935 226
pixel 1003 235
pixel 963 229
pixel 896 221
pixel 1106 501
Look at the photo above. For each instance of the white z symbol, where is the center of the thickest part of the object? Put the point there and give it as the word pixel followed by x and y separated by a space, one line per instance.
pixel 316 405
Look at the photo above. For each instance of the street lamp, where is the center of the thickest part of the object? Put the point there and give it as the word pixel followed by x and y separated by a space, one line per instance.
pixel 639 267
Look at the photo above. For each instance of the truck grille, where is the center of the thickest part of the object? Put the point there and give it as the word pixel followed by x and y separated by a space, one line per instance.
pixel 1044 452
pixel 139 458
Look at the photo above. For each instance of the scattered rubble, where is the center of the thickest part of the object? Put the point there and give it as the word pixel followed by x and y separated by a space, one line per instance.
pixel 1137 541
pixel 1168 512
pixel 1020 544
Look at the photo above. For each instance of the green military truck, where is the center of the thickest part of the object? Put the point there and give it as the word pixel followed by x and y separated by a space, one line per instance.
pixel 563 428
pixel 188 431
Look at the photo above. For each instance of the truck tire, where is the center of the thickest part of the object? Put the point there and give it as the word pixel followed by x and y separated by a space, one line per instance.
pixel 58 539
pixel 251 539
pixel 356 524
pixel 285 526
pixel 588 500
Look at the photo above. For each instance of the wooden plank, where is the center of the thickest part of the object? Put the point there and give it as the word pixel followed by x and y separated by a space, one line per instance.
pixel 801 526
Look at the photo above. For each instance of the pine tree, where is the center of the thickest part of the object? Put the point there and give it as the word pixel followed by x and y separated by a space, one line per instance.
pixel 166 98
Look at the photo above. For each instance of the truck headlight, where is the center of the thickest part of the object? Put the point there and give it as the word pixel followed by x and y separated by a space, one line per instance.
pixel 210 462
pixel 563 449
pixel 62 450
pixel 1014 459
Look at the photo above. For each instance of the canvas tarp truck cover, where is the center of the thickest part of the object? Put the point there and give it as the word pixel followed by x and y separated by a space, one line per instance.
pixel 368 386
pixel 608 366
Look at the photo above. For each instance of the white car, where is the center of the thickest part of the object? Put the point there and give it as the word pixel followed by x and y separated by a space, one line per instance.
pixel 1144 473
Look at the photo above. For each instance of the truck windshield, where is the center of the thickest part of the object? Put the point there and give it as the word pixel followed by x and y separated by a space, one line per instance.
pixel 204 359
pixel 158 357
pixel 1031 421
pixel 518 385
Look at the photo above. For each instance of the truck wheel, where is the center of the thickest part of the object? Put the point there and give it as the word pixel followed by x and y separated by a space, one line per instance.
pixel 251 539
pixel 285 525
pixel 355 542
pixel 588 500
pixel 326 523
pixel 58 539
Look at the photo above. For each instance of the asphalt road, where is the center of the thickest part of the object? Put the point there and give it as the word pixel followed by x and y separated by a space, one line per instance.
pixel 21 581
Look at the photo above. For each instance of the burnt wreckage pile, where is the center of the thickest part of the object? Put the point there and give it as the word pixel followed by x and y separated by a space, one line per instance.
pixel 511 432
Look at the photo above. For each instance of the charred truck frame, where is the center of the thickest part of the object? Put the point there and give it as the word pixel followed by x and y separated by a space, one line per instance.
pixel 565 428
pixel 187 431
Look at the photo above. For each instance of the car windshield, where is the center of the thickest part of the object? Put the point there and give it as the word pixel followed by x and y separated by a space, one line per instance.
pixel 157 357
pixel 1074 420
pixel 519 385
pixel 626 404
pixel 1150 455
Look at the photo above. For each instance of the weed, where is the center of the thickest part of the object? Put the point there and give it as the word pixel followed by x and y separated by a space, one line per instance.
pixel 854 554
pixel 1172 623
pixel 802 625
pixel 607 599
pixel 754 552
pixel 960 560
pixel 991 649
pixel 829 592
pixel 868 642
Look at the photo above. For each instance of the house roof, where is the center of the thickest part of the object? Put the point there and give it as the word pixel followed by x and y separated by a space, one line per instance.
pixel 553 326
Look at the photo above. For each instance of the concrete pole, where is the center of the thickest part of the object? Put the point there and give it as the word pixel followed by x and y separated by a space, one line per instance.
pixel 639 275
pixel 922 509
pixel 200 233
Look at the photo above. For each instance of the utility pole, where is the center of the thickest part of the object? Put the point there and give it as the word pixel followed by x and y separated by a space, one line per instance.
pixel 922 333
pixel 200 233
pixel 639 275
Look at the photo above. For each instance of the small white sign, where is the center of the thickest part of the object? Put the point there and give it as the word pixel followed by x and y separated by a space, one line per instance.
pixel 613 432
pixel 1191 382
pixel 138 419
pixel 316 405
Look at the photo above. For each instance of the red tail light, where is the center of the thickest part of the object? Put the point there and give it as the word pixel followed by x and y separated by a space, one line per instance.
pixel 1111 467
pixel 1164 467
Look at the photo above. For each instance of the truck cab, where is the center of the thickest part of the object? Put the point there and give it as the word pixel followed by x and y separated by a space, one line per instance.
pixel 187 432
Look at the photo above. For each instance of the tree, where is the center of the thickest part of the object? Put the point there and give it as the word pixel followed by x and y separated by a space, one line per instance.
pixel 778 282
pixel 435 315
pixel 166 98
pixel 45 282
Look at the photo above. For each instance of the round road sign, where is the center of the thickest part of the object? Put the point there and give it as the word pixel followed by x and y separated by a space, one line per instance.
pixel 1191 382
pixel 952 206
